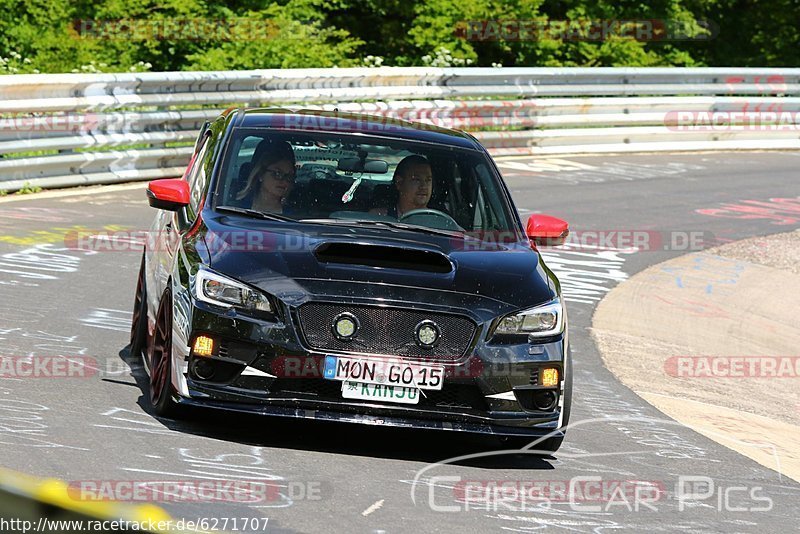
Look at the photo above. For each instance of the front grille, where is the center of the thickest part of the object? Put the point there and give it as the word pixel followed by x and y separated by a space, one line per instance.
pixel 383 330
pixel 451 396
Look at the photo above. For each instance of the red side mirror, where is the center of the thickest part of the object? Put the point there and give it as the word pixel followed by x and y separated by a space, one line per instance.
pixel 170 194
pixel 545 230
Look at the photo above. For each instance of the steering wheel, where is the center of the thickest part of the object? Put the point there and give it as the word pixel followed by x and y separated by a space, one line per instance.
pixel 422 214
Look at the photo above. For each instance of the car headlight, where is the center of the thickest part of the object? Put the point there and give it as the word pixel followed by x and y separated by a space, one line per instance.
pixel 544 320
pixel 223 291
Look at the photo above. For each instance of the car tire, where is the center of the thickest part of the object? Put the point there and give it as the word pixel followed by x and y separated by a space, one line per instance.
pixel 138 341
pixel 161 391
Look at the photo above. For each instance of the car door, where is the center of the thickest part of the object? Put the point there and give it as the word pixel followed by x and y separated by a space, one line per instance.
pixel 165 234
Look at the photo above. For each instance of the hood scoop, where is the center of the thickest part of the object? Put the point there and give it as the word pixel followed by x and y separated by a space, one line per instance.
pixel 391 257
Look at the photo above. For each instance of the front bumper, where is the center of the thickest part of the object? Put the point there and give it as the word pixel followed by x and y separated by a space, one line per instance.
pixel 376 418
pixel 267 368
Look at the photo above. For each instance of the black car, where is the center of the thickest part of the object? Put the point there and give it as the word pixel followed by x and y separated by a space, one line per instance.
pixel 351 268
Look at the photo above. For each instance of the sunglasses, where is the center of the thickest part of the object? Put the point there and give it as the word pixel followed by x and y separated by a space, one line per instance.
pixel 280 176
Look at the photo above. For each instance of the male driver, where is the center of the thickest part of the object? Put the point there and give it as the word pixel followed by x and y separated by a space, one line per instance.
pixel 413 180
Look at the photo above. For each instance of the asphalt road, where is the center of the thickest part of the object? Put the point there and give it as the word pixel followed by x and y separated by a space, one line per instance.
pixel 60 302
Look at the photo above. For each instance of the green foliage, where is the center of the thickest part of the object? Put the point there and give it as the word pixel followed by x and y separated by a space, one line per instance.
pixel 82 36
pixel 28 189
pixel 282 41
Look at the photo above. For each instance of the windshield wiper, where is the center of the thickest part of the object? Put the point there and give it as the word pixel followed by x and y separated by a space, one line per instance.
pixel 255 213
pixel 388 224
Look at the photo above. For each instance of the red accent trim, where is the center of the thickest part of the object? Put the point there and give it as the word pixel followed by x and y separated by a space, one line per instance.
pixel 170 190
pixel 546 226
pixel 196 224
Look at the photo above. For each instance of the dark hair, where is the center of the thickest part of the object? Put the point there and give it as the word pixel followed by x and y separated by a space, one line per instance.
pixel 408 162
pixel 267 152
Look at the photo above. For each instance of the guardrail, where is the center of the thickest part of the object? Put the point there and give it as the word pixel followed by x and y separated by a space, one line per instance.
pixel 75 129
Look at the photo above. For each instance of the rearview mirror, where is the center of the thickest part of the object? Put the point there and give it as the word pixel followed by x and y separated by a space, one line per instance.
pixel 370 166
pixel 545 230
pixel 169 194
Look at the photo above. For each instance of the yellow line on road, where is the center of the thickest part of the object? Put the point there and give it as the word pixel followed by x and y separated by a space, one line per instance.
pixel 78 191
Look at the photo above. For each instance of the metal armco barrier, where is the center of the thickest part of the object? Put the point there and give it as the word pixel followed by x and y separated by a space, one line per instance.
pixel 76 129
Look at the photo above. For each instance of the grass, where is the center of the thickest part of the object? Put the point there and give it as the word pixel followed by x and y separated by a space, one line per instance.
pixel 28 189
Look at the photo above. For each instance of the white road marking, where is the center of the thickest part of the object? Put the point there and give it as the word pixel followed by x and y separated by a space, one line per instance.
pixel 586 277
pixel 543 165
pixel 74 192
pixel 109 319
pixel 376 506
pixel 568 171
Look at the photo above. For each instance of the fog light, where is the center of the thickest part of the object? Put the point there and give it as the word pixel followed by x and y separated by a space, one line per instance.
pixel 204 369
pixel 345 326
pixel 203 346
pixel 549 377
pixel 544 400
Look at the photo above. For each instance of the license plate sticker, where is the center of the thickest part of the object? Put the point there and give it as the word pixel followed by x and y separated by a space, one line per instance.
pixel 391 372
pixel 380 392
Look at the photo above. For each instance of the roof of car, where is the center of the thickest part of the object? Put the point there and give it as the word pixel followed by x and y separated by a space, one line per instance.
pixel 358 123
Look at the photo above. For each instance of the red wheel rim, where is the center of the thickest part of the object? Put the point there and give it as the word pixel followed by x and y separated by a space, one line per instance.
pixel 137 307
pixel 162 352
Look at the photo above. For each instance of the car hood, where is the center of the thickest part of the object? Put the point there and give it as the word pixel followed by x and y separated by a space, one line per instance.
pixel 307 261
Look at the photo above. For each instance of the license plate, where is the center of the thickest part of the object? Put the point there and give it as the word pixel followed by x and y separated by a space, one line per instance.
pixel 391 372
pixel 380 392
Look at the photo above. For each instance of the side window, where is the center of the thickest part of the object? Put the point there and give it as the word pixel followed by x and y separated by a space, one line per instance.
pixel 197 176
pixel 488 202
pixel 460 207
pixel 239 168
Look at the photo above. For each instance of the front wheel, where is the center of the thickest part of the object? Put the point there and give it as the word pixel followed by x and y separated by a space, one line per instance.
pixel 139 319
pixel 161 390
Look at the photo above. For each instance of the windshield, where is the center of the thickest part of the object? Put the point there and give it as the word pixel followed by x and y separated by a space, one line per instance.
pixel 352 179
